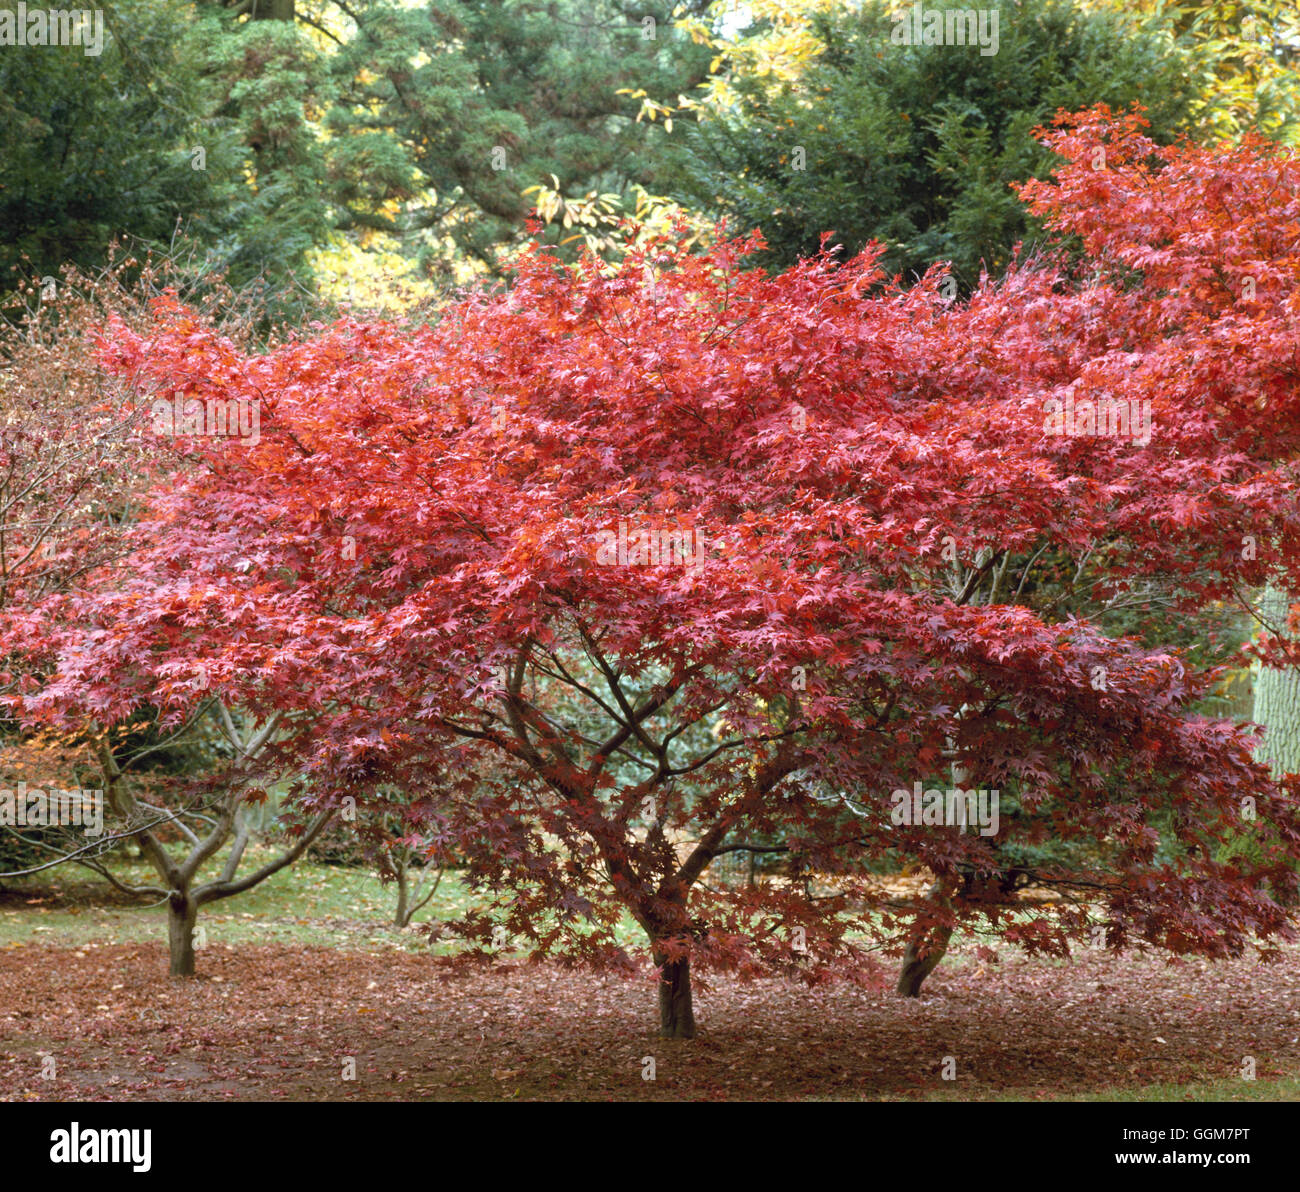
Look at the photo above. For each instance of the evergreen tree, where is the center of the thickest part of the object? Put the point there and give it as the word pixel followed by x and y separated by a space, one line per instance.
pixel 915 145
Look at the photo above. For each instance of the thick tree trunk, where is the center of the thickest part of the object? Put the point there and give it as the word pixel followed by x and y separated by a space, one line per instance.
pixel 182 911
pixel 676 1014
pixel 1277 698
pixel 929 941
pixel 273 10
pixel 924 951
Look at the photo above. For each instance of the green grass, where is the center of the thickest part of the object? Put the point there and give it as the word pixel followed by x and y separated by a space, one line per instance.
pixel 306 904
pixel 1286 1088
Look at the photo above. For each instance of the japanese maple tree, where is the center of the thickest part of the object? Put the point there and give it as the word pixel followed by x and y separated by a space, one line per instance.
pixel 623 569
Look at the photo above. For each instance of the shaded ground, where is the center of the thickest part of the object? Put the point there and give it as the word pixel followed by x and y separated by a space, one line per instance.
pixel 277 1022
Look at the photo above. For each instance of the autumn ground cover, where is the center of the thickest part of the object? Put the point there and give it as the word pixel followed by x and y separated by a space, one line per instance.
pixel 306 976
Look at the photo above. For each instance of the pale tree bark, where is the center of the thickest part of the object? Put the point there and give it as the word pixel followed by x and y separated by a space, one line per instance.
pixel 411 896
pixel 185 895
pixel 1277 696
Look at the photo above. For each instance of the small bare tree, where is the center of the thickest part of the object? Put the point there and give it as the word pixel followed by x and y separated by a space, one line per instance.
pixel 208 826
pixel 417 880
pixel 225 824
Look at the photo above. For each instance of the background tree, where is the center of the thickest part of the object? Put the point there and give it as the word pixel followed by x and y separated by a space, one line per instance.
pixel 1244 56
pixel 390 837
pixel 913 146
pixel 93 147
pixel 287 138
pixel 421 127
pixel 180 824
pixel 78 452
pixel 491 97
pixel 209 824
pixel 73 464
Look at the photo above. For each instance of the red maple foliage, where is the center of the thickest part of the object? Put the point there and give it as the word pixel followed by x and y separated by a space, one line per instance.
pixel 1214 329
pixel 625 568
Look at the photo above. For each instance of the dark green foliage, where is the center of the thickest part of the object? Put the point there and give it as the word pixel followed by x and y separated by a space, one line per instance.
pixel 915 146
pixel 489 97
pixel 93 147
pixel 262 82
pixel 260 139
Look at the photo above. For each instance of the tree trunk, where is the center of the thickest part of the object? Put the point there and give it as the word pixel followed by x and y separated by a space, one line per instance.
pixel 402 915
pixel 273 10
pixel 928 942
pixel 182 911
pixel 924 951
pixel 1277 698
pixel 676 1015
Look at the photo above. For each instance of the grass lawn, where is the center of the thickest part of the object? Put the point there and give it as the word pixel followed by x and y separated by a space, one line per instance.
pixel 307 903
